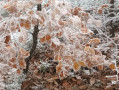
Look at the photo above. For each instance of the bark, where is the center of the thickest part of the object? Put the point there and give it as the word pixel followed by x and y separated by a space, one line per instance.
pixel 112 30
pixel 35 37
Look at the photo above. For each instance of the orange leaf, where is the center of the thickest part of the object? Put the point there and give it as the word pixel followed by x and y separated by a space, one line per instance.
pixel 88 49
pixel 76 66
pixel 59 34
pixel 75 11
pixel 48 37
pixel 24 52
pixel 31 12
pixel 112 66
pixel 42 40
pixel 22 23
pixel 46 5
pixel 58 57
pixel 53 45
pixel 18 71
pixel 65 83
pixel 61 75
pixel 89 64
pixel 7 39
pixel 14 65
pixel 11 7
pixel 27 24
pixel 24 85
pixel 67 67
pixel 104 6
pixel 7 6
pixel 91 50
pixel 13 60
pixel 100 11
pixel 81 63
pixel 58 67
pixel 95 41
pixel 22 64
pixel 100 67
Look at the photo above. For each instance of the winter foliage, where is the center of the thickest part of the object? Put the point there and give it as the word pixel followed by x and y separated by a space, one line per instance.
pixel 65 27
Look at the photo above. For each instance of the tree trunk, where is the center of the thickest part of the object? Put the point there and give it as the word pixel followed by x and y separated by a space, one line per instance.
pixel 112 30
pixel 35 37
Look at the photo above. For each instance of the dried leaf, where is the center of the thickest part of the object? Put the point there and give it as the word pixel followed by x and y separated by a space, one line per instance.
pixel 104 6
pixel 13 60
pixel 95 41
pixel 18 71
pixel 58 57
pixel 76 66
pixel 81 63
pixel 48 37
pixel 24 52
pixel 7 39
pixel 59 34
pixel 65 83
pixel 100 11
pixel 7 6
pixel 22 64
pixel 61 75
pixel 27 24
pixel 91 50
pixel 100 67
pixel 58 67
pixel 42 40
pixel 14 65
pixel 112 66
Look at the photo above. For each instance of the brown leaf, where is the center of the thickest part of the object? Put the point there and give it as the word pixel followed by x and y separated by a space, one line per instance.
pixel 7 39
pixel 76 66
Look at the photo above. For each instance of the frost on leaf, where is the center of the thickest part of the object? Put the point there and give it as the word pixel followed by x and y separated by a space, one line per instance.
pixel 100 11
pixel 95 41
pixel 58 57
pixel 24 52
pixel 13 60
pixel 7 39
pixel 76 66
pixel 22 64
pixel 55 41
pixel 90 50
pixel 59 67
pixel 112 66
pixel 81 63
pixel 25 23
pixel 100 67
pixel 11 8
pixel 45 38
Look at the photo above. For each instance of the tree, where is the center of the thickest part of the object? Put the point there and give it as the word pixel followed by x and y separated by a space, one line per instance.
pixel 63 28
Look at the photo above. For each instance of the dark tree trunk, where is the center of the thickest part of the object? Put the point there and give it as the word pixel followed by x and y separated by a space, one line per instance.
pixel 35 34
pixel 112 30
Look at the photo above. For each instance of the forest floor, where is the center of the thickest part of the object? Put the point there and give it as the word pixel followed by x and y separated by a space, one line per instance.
pixel 47 79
